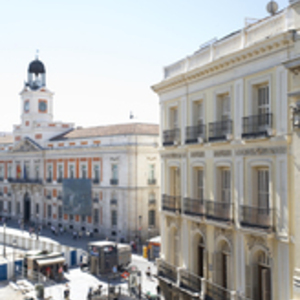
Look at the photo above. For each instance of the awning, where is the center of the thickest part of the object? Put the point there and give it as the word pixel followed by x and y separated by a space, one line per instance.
pixel 50 261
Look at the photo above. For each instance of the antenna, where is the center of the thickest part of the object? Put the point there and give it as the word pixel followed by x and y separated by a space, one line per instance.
pixel 272 8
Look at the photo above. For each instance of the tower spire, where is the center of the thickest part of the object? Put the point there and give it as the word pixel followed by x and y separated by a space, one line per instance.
pixel 37 54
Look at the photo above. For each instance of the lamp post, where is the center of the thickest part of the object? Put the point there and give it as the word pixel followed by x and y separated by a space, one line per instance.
pixel 140 234
pixel 14 243
pixel 4 240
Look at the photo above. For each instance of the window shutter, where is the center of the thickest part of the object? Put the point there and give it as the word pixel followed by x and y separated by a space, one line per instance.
pixel 248 281
pixel 266 284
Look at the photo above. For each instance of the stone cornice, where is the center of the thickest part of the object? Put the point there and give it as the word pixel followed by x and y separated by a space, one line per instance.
pixel 246 55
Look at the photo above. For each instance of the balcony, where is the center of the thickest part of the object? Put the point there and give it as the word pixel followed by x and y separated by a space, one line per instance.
pixel 9 179
pixel 193 207
pixel 113 202
pixel 171 203
pixel 195 134
pixel 216 292
pixel 220 131
pixel 256 217
pixel 96 180
pixel 257 126
pixel 189 281
pixel 59 180
pixel 218 211
pixel 49 180
pixel 166 270
pixel 9 194
pixel 171 137
pixel 48 196
pixel 25 180
pixel 1 178
pixel 96 200
pixel 151 181
pixel 1 193
pixel 59 197
pixel 151 202
pixel 114 181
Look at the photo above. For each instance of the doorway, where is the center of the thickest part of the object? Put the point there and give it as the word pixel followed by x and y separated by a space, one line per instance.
pixel 26 211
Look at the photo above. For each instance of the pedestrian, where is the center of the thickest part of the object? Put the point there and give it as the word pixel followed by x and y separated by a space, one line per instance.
pixel 148 273
pixel 61 230
pixel 67 292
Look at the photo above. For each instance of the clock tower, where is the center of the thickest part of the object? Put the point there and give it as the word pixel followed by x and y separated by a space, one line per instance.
pixel 37 108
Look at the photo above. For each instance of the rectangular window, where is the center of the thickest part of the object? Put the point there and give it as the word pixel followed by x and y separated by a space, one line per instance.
pixel 225 186
pixel 1 206
pixel 198 114
pixel 9 175
pixel 173 118
pixel 114 218
pixel 263 188
pixel 96 216
pixel 83 171
pixel 1 172
pixel 151 218
pixel 96 172
pixel 151 175
pixel 37 209
pixel 71 170
pixel 263 100
pixel 49 211
pixel 83 218
pixel 49 172
pixel 60 172
pixel 71 217
pixel 114 168
pixel 37 172
pixel 9 207
pixel 26 171
pixel 199 186
pixel 18 208
pixel 60 212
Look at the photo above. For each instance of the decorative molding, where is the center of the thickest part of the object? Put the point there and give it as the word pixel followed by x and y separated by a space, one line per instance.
pixel 173 155
pixel 151 158
pixel 225 233
pixel 198 154
pixel 26 146
pixel 261 151
pixel 222 153
pixel 201 228
pixel 114 158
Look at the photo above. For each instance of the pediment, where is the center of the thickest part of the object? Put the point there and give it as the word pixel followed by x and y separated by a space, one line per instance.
pixel 27 145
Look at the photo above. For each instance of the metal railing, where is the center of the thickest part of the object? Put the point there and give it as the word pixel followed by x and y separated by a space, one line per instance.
pixel 260 217
pixel 96 180
pixel 48 196
pixel 256 126
pixel 49 180
pixel 219 211
pixel 59 180
pixel 96 200
pixel 171 137
pixel 216 292
pixel 59 197
pixel 193 133
pixel 1 178
pixel 171 203
pixel 114 181
pixel 193 207
pixel 151 201
pixel 219 130
pixel 152 181
pixel 167 271
pixel 190 281
pixel 113 201
pixel 25 180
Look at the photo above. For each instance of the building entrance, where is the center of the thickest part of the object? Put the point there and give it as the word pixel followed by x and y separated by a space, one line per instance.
pixel 26 210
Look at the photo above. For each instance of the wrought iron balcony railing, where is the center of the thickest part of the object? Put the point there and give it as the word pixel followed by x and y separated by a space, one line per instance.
pixel 96 180
pixel 171 137
pixel 48 196
pixel 257 217
pixel 152 181
pixel 193 207
pixel 257 126
pixel 190 281
pixel 114 181
pixel 96 200
pixel 171 203
pixel 113 201
pixel 59 197
pixel 1 193
pixel 59 179
pixel 193 134
pixel 1 178
pixel 219 211
pixel 216 292
pixel 167 271
pixel 49 179
pixel 219 131
pixel 25 180
pixel 151 202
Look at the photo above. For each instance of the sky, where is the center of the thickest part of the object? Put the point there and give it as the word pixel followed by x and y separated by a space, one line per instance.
pixel 102 57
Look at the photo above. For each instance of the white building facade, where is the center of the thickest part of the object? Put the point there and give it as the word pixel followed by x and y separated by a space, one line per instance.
pixel 121 161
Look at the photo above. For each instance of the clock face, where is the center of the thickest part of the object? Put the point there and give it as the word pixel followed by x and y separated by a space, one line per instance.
pixel 43 106
pixel 26 106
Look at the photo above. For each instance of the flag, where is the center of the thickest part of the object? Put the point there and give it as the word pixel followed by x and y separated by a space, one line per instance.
pixel 19 171
pixel 24 172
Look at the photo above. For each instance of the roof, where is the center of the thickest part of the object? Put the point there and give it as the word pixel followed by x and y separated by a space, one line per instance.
pixel 6 139
pixel 36 67
pixel 50 261
pixel 110 130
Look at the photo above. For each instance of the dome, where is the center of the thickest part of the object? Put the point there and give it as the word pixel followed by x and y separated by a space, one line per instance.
pixel 36 67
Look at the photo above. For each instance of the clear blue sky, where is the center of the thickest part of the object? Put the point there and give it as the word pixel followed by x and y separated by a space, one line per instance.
pixel 101 57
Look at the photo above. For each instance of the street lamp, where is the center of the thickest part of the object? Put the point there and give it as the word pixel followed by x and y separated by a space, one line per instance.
pixel 14 243
pixel 4 240
pixel 140 237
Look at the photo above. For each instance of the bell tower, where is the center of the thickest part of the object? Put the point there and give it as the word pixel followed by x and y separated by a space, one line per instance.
pixel 36 99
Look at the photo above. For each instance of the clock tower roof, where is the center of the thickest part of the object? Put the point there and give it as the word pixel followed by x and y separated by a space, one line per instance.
pixel 36 67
